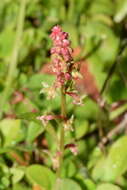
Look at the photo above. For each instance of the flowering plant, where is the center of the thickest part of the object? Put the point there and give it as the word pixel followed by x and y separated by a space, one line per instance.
pixel 38 136
pixel 64 68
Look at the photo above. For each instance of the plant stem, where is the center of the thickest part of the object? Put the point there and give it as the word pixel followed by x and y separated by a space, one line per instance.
pixel 14 57
pixel 62 134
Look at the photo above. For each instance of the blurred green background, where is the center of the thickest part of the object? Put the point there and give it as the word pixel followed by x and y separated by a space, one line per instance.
pixel 98 33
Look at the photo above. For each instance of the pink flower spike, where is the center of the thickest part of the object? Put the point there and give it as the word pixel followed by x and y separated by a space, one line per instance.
pixel 61 44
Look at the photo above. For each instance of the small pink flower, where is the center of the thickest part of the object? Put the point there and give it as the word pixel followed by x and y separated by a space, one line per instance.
pixel 68 76
pixel 49 90
pixel 73 148
pixel 60 78
pixel 46 118
pixel 55 50
pixel 76 98
pixel 63 35
pixel 68 124
pixel 66 43
pixel 55 160
pixel 55 32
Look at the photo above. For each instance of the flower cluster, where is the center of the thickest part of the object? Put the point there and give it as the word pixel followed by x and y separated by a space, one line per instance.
pixel 61 44
pixel 61 56
pixel 65 71
pixel 63 66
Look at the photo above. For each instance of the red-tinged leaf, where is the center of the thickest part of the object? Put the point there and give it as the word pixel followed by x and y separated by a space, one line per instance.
pixel 87 83
pixel 18 158
pixel 10 115
pixel 119 110
pixel 117 104
pixel 76 52
pixel 17 97
pixel 120 118
pixel 47 69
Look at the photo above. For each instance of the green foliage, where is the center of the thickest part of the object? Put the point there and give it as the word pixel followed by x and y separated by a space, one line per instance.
pixel 69 184
pixel 17 174
pixel 108 186
pixel 11 131
pixel 113 166
pixel 121 10
pixel 20 187
pixel 97 30
pixel 40 175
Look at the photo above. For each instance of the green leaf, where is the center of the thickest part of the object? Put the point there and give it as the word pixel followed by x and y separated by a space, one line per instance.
pixel 94 157
pixel 34 130
pixel 121 10
pixel 6 41
pixel 108 186
pixel 116 161
pixel 72 30
pixel 5 150
pixel 100 7
pixel 117 112
pixel 17 174
pixel 69 168
pixel 89 184
pixel 11 131
pixel 35 81
pixel 82 147
pixel 20 187
pixel 100 41
pixel 98 170
pixel 114 165
pixel 81 128
pixel 117 89
pixel 5 181
pixel 40 175
pixel 29 116
pixel 97 33
pixel 88 111
pixel 26 106
pixel 69 184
